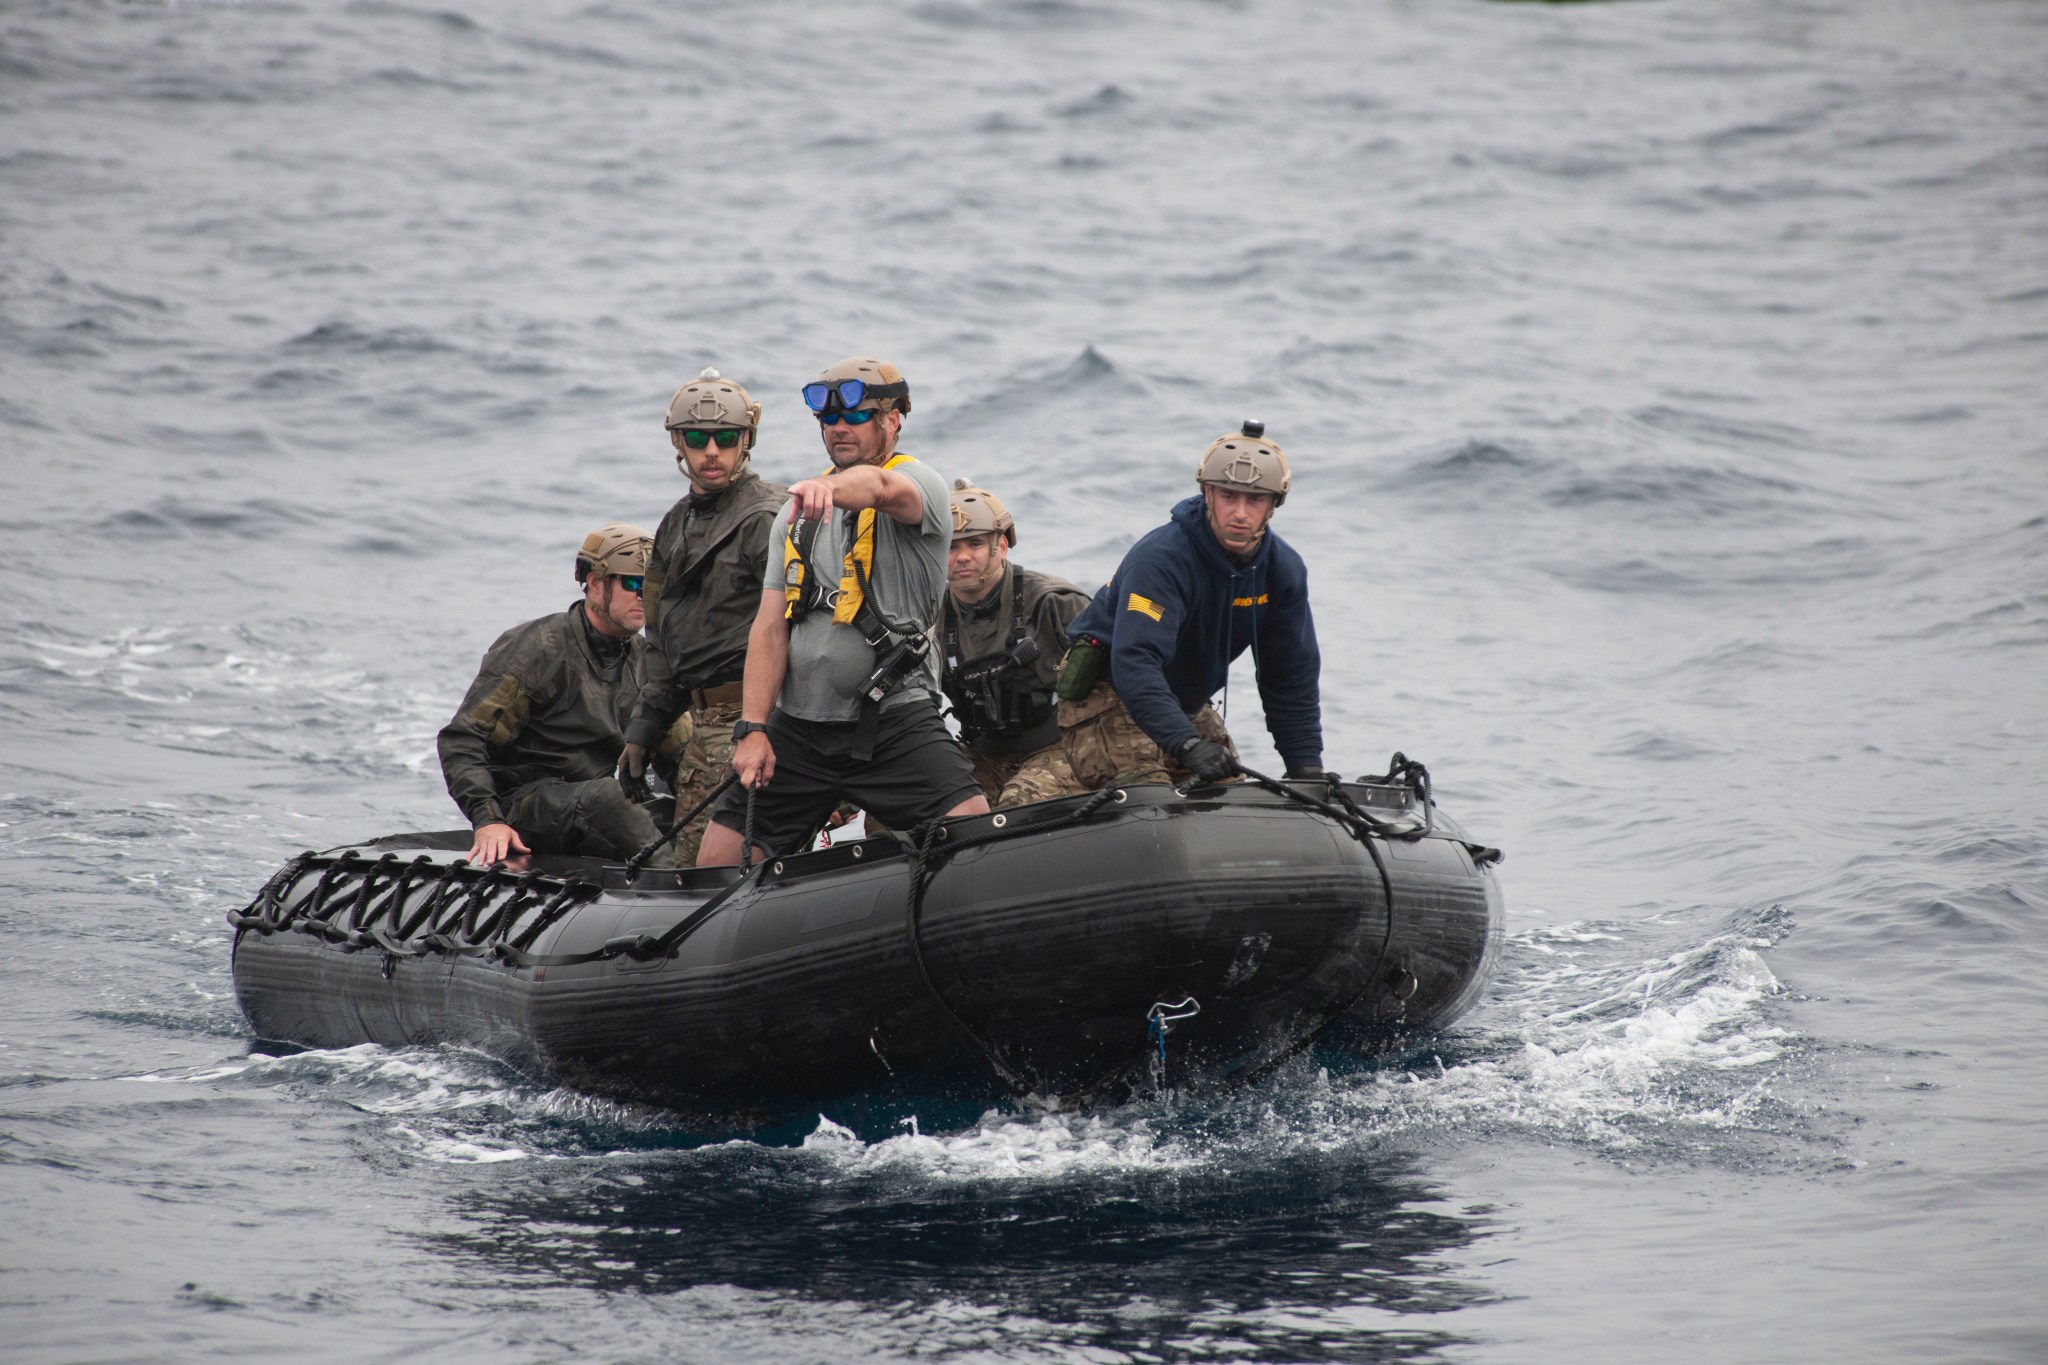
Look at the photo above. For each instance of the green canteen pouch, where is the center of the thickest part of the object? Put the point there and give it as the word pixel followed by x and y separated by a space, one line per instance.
pixel 1082 667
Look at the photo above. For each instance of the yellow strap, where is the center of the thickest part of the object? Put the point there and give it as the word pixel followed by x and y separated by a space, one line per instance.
pixel 792 574
pixel 861 552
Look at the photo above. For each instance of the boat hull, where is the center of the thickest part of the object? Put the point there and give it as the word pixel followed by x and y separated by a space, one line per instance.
pixel 1192 941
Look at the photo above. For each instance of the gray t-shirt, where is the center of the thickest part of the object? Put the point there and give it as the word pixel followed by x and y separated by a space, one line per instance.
pixel 829 662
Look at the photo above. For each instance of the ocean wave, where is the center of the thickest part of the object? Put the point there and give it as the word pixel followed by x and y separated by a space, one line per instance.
pixel 1662 746
pixel 346 336
pixel 1979 882
pixel 1688 491
pixel 1479 465
pixel 444 20
pixel 235 693
pixel 1604 465
pixel 1107 99
pixel 1032 392
pixel 1019 15
pixel 1626 1055
pixel 175 517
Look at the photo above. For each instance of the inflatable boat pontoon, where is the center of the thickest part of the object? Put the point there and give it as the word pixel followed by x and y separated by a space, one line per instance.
pixel 1078 951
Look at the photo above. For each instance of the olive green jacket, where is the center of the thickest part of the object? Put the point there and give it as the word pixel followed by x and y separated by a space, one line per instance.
pixel 543 705
pixel 702 592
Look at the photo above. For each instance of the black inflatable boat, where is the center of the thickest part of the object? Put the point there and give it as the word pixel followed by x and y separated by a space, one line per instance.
pixel 1076 951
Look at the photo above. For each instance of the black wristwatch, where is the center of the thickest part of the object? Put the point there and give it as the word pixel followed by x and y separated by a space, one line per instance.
pixel 742 728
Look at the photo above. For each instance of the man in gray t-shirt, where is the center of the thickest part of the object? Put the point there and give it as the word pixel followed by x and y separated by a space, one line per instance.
pixel 840 700
pixel 828 663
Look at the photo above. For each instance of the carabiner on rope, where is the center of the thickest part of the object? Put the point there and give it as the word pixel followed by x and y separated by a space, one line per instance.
pixel 1159 1021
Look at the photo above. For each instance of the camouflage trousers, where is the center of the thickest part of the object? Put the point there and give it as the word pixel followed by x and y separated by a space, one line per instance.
pixel 1039 775
pixel 705 762
pixel 1105 747
pixel 669 752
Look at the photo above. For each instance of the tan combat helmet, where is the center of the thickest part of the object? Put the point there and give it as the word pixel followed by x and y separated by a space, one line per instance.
pixel 1247 461
pixel 880 385
pixel 616 547
pixel 712 401
pixel 976 511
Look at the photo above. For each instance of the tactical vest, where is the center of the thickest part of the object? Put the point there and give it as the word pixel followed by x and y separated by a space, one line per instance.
pixel 1004 708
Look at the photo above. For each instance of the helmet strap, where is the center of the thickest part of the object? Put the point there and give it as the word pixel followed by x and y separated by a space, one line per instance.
pixel 597 593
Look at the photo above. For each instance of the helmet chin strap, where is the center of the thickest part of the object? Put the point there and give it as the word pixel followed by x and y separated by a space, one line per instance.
pixel 1216 527
pixel 739 463
pixel 599 607
pixel 990 576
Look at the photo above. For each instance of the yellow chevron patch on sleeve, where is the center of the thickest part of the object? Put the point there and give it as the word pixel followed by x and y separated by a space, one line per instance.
pixel 1145 606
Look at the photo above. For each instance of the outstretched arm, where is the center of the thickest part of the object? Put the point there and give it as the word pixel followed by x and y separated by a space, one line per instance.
pixel 857 489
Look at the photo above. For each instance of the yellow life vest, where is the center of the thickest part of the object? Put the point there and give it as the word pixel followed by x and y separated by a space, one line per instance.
pixel 858 567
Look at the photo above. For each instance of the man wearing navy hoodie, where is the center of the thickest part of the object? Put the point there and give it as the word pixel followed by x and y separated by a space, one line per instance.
pixel 1157 641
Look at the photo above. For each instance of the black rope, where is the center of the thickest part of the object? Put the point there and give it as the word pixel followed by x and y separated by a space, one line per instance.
pixel 311 906
pixel 395 897
pixel 464 913
pixel 501 919
pixel 564 900
pixel 639 860
pixel 642 947
pixel 924 866
pixel 437 900
pixel 747 835
pixel 1402 771
pixel 927 857
pixel 472 904
pixel 269 899
pixel 347 916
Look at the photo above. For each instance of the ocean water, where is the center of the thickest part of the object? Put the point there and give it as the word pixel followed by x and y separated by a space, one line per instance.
pixel 1664 384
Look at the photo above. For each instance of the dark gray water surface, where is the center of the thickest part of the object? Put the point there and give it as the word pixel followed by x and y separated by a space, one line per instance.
pixel 1664 384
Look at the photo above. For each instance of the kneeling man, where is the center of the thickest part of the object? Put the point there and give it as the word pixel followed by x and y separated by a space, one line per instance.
pixel 1005 628
pixel 530 755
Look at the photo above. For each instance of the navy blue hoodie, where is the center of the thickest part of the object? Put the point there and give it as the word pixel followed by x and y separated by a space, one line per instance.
pixel 1180 609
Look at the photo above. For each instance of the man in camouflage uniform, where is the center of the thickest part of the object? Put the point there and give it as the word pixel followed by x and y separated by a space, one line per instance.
pixel 1157 641
pixel 1004 628
pixel 703 588
pixel 529 755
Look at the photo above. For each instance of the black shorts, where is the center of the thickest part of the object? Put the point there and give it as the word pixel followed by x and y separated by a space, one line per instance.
pixel 918 772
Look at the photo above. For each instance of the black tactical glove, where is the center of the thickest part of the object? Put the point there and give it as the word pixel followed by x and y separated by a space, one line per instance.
pixel 1305 772
pixel 1208 761
pixel 633 773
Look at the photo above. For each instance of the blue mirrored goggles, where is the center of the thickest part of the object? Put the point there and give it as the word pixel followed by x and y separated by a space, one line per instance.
pixel 844 395
pixel 631 582
pixel 854 417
